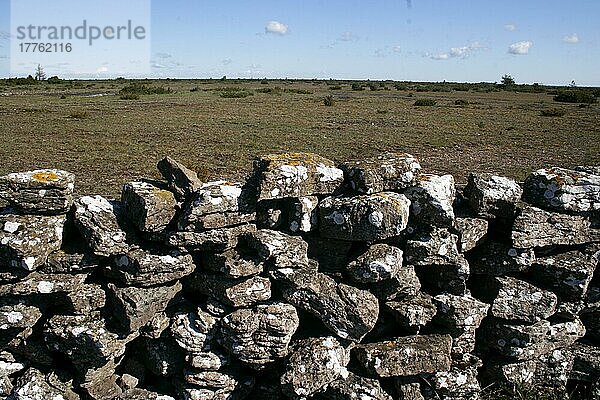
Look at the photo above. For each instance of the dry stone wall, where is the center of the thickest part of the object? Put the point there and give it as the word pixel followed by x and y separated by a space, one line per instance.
pixel 311 280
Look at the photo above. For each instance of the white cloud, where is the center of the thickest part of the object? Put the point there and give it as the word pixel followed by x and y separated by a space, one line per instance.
pixel 520 48
pixel 510 27
pixel 458 52
pixel 102 69
pixel 571 39
pixel 163 55
pixel 277 28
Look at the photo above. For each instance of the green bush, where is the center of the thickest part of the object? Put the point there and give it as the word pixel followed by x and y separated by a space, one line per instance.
pixel 425 102
pixel 30 80
pixel 575 96
pixel 130 96
pixel 357 86
pixel 328 101
pixel 54 80
pixel 461 102
pixel 141 89
pixel 553 112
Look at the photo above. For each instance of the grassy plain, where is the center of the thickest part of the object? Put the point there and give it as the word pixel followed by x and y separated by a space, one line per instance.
pixel 86 128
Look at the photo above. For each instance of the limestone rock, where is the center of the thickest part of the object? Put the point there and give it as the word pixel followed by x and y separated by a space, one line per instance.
pixel 17 320
pixel 563 190
pixel 518 300
pixel 349 312
pixel 212 240
pixel 86 298
pixel 135 307
pixel 34 385
pixel 405 284
pixel 586 364
pixel 50 285
pixel 355 387
pixel 212 385
pixel 260 335
pixel 303 216
pixel 389 171
pixel 378 263
pixel 437 247
pixel 234 263
pixel 149 207
pixel 316 363
pixel 96 218
pixel 208 361
pixel 460 312
pixel 431 200
pixel 295 175
pixel 364 218
pixel 217 205
pixel 406 356
pixel 182 181
pixel 413 313
pixel 539 228
pixel 141 268
pixel 278 250
pixel 456 384
pixel 471 232
pixel 193 331
pixel 233 292
pixel 142 394
pixel 498 259
pixel 26 241
pixel 47 191
pixel 61 262
pixel 492 196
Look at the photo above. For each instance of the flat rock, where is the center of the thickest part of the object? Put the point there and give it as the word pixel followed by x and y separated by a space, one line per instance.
pixel 212 240
pixel 194 331
pixel 389 171
pixel 26 241
pixel 456 384
pixel 563 190
pixel 46 191
pixel 217 205
pixel 471 232
pixel 349 312
pixel 493 196
pixel 406 356
pixel 431 200
pixel 141 268
pixel 538 228
pixel 278 250
pixel 142 394
pixel 437 247
pixel 35 385
pixel 355 387
pixel 135 307
pixel 405 284
pixel 149 207
pixel 518 300
pixel 234 263
pixel 17 320
pixel 498 259
pixel 260 335
pixel 364 218
pixel 233 292
pixel 316 363
pixel 378 263
pixel 38 283
pixel 295 175
pixel 413 313
pixel 460 312
pixel 96 218
pixel 62 262
pixel 182 181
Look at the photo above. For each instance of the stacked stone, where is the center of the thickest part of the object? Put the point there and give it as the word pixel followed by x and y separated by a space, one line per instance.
pixel 367 280
pixel 537 276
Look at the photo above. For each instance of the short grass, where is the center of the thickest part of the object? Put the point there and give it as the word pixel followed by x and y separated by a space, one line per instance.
pixel 107 141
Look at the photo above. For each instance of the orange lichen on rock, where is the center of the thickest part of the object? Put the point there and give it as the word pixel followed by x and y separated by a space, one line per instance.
pixel 45 176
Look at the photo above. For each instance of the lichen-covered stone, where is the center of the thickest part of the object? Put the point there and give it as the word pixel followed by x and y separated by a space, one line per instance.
pixel 234 263
pixel 211 240
pixel 389 171
pixel 218 204
pixel 142 394
pixel 17 320
pixel 295 175
pixel 498 259
pixel 535 227
pixel 141 268
pixel 316 363
pixel 193 331
pixel 212 385
pixel 492 196
pixel 303 215
pixel 460 312
pixel 518 300
pixel 278 250
pixel 208 360
pixel 567 274
pixel 182 181
pixel 86 298
pixel 233 292
pixel 97 220
pixel 61 262
pixel 437 247
pixel 364 218
pixel 406 356
pixel 47 191
pixel 349 312
pixel 586 362
pixel 260 335
pixel 35 385
pixel 563 190
pixel 413 313
pixel 355 387
pixel 26 241
pixel 471 231
pixel 50 285
pixel 149 207
pixel 135 307
pixel 456 384
pixel 431 200
pixel 378 263
pixel 405 284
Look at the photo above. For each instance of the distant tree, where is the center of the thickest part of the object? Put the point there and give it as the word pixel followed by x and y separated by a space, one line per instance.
pixel 508 80
pixel 40 75
pixel 572 84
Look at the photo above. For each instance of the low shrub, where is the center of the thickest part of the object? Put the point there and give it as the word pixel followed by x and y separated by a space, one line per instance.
pixel 335 87
pixel 575 96
pixel 328 101
pixel 553 112
pixel 461 102
pixel 357 86
pixel 425 102
pixel 235 94
pixel 80 114
pixel 129 96
pixel 141 89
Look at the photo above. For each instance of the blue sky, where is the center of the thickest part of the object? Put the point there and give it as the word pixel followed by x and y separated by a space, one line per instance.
pixel 546 41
